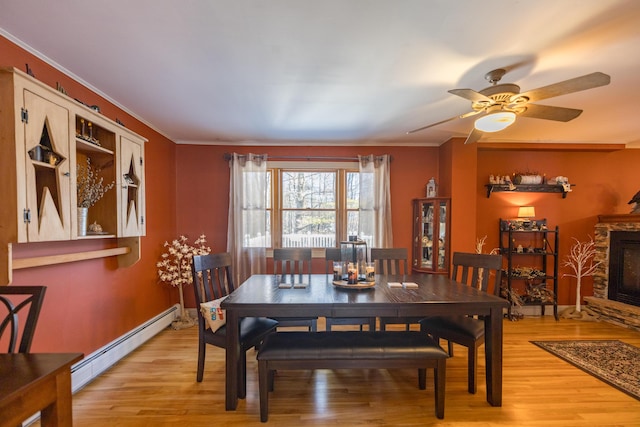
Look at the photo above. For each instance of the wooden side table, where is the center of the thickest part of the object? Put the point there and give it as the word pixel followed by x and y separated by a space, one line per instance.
pixel 32 382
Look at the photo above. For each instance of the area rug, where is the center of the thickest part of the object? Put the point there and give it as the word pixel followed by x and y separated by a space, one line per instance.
pixel 612 361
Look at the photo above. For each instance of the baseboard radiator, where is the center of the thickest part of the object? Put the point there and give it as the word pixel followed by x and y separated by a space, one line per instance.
pixel 102 359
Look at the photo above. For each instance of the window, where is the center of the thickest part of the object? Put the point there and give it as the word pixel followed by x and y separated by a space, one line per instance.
pixel 312 205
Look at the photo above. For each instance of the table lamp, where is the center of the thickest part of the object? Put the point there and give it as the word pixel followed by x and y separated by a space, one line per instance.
pixel 526 212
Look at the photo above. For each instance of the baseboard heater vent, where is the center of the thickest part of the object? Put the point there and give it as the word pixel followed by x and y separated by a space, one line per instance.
pixel 102 359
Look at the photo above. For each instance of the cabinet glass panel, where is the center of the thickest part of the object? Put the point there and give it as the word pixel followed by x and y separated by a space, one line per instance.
pixel 427 236
pixel 431 235
pixel 442 238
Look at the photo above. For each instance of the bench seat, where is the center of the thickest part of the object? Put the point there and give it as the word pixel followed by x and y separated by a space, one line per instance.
pixel 351 350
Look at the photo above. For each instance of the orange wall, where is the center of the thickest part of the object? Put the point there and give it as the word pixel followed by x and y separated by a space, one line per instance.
pixel 458 164
pixel 90 303
pixel 604 183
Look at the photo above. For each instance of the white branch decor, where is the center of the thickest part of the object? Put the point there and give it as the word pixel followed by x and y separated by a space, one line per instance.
pixel 90 185
pixel 174 268
pixel 580 260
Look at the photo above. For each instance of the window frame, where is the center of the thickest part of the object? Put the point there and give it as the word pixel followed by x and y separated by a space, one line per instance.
pixel 341 211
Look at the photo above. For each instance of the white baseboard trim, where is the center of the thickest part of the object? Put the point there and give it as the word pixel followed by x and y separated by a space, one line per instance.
pixel 102 359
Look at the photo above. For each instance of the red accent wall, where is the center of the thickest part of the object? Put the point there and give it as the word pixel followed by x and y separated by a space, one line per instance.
pixel 90 303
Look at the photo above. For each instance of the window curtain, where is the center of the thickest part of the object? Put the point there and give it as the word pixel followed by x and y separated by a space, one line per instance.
pixel 246 236
pixel 374 225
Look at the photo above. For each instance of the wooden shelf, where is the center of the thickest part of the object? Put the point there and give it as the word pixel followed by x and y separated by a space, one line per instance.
pixel 127 252
pixel 527 188
pixel 60 259
pixel 89 147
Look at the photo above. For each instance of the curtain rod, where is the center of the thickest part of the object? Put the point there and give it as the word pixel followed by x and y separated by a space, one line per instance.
pixel 228 156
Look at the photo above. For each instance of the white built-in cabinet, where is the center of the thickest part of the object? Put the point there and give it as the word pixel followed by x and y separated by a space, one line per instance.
pixel 44 136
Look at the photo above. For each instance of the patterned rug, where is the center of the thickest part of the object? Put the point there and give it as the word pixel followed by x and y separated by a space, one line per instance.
pixel 612 361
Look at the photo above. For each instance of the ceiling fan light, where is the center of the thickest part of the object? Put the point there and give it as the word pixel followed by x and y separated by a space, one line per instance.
pixel 495 122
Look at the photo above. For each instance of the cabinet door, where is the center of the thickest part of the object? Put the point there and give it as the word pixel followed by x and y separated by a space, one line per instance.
pixel 131 187
pixel 46 170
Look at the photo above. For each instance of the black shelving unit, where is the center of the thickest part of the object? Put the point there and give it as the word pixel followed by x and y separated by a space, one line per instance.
pixel 531 252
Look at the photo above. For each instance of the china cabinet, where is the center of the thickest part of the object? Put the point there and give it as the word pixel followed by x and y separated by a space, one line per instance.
pixel 47 138
pixel 431 229
pixel 530 249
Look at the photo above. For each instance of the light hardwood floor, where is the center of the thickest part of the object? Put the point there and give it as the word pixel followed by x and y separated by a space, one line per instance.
pixel 156 386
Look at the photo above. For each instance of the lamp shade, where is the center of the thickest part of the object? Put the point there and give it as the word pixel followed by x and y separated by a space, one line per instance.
pixel 494 122
pixel 526 212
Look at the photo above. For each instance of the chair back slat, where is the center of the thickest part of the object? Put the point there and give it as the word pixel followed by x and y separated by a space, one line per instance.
pixel 476 270
pixel 212 277
pixel 331 255
pixel 292 261
pixel 20 303
pixel 390 260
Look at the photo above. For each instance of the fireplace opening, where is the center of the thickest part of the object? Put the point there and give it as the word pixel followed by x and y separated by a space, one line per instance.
pixel 624 267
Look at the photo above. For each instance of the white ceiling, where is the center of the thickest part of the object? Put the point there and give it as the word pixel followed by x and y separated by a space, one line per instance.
pixel 339 71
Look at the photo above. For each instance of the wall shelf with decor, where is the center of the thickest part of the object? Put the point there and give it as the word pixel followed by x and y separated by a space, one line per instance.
pixel 531 253
pixel 49 140
pixel 528 188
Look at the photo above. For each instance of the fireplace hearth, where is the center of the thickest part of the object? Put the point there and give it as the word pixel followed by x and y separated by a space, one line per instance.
pixel 616 281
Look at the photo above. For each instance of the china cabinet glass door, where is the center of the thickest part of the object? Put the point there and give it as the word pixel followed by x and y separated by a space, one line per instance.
pixel 431 235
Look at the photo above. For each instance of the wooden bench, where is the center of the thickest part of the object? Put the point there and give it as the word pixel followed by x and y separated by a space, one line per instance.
pixel 351 350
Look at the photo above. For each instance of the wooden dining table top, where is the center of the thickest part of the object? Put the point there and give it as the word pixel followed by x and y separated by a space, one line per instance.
pixel 435 294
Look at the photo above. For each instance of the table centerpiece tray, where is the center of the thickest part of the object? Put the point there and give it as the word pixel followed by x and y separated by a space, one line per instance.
pixel 343 284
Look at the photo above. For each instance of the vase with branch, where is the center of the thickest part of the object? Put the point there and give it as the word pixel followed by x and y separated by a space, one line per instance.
pixel 580 260
pixel 174 268
pixel 90 188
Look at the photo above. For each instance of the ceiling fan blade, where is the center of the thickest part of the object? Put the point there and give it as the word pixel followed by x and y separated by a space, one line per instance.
pixel 577 84
pixel 547 112
pixel 471 95
pixel 443 121
pixel 474 136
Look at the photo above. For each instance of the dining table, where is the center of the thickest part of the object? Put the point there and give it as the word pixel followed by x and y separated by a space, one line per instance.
pixel 317 295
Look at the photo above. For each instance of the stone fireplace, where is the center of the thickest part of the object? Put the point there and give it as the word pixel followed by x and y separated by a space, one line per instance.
pixel 619 305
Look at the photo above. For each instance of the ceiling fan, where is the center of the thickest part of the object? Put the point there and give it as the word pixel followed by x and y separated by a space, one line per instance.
pixel 499 104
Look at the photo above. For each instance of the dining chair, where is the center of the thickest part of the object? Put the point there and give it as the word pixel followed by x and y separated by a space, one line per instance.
pixel 292 262
pixel 332 255
pixel 474 270
pixel 212 280
pixel 20 303
pixel 393 261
